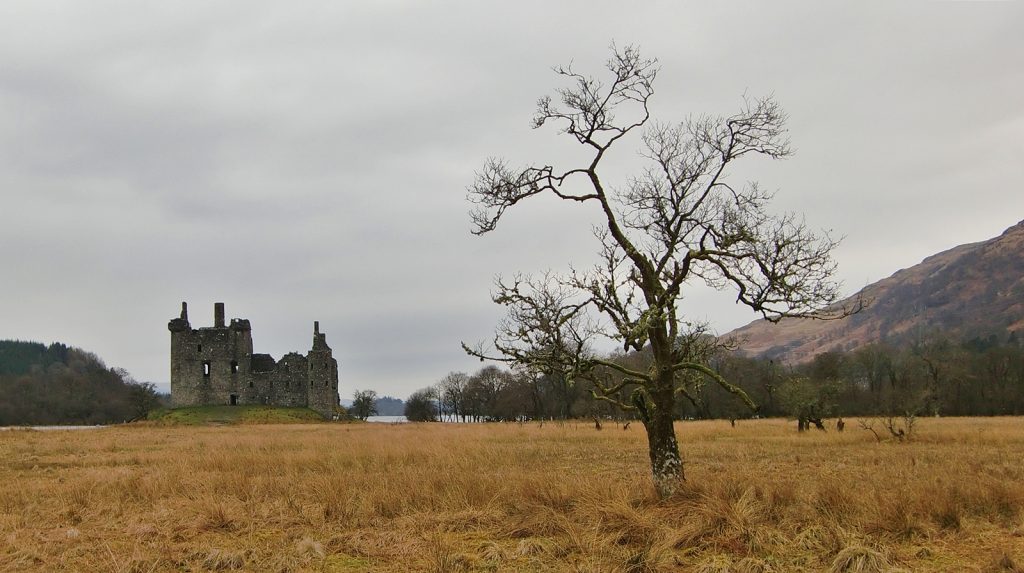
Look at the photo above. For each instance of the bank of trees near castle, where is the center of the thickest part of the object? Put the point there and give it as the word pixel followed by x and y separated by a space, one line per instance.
pixel 980 377
pixel 58 384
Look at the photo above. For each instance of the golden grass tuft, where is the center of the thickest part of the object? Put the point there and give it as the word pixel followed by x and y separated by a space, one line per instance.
pixel 859 559
pixel 752 565
pixel 223 560
pixel 759 498
pixel 715 564
pixel 532 548
pixel 491 551
pixel 823 540
pixel 308 548
pixel 444 558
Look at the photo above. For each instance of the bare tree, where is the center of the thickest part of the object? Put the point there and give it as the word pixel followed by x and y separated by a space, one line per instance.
pixel 679 221
pixel 364 404
pixel 451 392
pixel 901 428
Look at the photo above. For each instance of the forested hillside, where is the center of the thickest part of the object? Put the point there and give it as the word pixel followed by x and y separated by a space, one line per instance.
pixel 58 384
pixel 389 406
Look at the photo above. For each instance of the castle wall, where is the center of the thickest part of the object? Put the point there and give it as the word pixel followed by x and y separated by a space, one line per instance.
pixel 216 366
pixel 291 373
pixel 322 394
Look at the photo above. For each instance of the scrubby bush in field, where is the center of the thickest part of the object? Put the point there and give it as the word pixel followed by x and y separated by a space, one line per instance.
pixel 421 406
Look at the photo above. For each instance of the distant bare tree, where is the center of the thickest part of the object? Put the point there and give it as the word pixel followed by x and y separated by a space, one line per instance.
pixel 451 392
pixel 901 428
pixel 679 221
pixel 364 404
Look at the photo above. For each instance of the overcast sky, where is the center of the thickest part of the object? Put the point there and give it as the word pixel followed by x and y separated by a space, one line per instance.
pixel 308 161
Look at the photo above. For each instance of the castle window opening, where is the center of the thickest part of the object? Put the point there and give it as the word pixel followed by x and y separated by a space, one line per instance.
pixel 199 348
pixel 206 369
pixel 250 383
pixel 234 367
pixel 234 399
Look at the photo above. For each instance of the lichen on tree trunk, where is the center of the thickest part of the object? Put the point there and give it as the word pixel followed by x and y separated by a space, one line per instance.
pixel 666 464
pixel 663 448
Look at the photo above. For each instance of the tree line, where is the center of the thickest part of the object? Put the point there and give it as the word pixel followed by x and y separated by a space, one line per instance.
pixel 932 376
pixel 494 394
pixel 58 384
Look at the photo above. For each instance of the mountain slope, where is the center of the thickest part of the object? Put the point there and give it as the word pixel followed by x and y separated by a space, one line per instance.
pixel 971 290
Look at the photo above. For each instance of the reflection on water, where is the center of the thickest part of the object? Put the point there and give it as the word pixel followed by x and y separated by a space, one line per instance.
pixel 387 419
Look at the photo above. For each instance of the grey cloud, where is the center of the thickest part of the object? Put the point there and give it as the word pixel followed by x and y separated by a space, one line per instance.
pixel 310 163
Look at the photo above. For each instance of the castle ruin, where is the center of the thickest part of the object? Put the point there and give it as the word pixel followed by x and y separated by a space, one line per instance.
pixel 216 366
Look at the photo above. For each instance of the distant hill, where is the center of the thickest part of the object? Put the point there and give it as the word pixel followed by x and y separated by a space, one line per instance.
pixel 59 384
pixel 389 406
pixel 973 290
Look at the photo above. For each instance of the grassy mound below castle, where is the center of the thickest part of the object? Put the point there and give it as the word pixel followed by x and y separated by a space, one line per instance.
pixel 219 415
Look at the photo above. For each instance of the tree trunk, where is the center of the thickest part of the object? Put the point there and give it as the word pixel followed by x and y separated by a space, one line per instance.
pixel 666 465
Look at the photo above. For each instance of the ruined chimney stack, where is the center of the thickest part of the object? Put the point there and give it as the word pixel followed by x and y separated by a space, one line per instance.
pixel 184 310
pixel 316 327
pixel 218 314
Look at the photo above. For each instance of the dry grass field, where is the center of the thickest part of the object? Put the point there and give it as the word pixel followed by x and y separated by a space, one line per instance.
pixel 367 497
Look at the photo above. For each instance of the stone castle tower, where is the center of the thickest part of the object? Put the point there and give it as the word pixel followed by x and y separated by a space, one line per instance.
pixel 216 366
